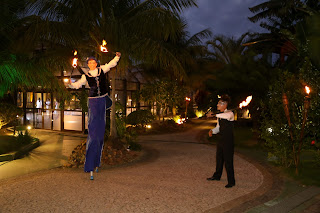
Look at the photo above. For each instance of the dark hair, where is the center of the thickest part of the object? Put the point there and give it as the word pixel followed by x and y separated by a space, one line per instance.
pixel 92 58
pixel 225 98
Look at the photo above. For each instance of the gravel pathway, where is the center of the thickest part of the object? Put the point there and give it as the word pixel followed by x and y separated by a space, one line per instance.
pixel 173 181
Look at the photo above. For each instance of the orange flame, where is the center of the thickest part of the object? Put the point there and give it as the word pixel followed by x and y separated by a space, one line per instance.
pixel 307 89
pixel 103 47
pixel 188 99
pixel 75 59
pixel 246 102
pixel 75 62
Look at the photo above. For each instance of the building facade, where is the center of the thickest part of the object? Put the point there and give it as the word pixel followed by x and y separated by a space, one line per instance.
pixel 43 110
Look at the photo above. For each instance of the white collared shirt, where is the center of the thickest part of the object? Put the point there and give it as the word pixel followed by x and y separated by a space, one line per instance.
pixel 228 115
pixel 106 68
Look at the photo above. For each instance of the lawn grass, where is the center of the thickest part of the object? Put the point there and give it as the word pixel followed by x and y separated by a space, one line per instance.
pixel 9 144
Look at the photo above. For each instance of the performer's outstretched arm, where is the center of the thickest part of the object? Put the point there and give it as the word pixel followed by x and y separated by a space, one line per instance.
pixel 112 63
pixel 226 115
pixel 79 83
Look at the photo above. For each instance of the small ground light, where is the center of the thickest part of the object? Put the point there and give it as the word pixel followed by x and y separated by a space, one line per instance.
pixel 66 80
pixel 28 127
pixel 148 126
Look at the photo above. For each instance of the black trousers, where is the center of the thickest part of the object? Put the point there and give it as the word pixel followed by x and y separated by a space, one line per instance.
pixel 225 156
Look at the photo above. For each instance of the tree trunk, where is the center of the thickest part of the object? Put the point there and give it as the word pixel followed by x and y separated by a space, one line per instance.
pixel 113 128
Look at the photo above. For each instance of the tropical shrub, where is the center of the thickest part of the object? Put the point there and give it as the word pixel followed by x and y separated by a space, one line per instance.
pixel 289 128
pixel 8 113
pixel 24 138
pixel 140 118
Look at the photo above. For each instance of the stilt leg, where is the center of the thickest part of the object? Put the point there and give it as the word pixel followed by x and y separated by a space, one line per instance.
pixel 91 175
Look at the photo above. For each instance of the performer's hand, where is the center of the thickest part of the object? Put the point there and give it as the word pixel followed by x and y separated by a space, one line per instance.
pixel 210 133
pixel 210 115
pixel 118 54
pixel 69 83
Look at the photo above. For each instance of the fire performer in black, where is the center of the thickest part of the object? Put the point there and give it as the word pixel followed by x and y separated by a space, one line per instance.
pixel 225 147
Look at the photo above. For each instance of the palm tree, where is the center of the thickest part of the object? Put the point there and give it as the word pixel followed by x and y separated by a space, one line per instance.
pixel 16 68
pixel 239 68
pixel 226 49
pixel 281 19
pixel 138 29
pixel 281 14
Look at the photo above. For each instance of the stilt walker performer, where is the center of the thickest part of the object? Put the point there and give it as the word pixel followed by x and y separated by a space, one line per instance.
pixel 98 102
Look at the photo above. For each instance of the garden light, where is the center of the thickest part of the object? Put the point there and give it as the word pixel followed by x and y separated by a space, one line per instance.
pixel 148 126
pixel 28 127
pixel 66 80
pixel 199 113
pixel 181 120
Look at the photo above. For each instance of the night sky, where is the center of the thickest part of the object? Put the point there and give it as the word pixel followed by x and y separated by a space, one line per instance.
pixel 226 17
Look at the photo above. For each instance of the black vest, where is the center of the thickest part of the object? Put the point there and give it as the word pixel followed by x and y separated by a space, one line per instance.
pixel 98 84
pixel 226 133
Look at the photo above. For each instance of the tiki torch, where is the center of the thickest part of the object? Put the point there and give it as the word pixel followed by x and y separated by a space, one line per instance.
pixel 306 107
pixel 285 102
pixel 187 103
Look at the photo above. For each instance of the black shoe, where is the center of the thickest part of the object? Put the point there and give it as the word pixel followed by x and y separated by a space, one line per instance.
pixel 213 178
pixel 230 185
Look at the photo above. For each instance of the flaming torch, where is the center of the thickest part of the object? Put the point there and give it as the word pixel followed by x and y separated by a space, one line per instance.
pixel 241 105
pixel 74 64
pixel 75 59
pixel 187 103
pixel 103 47
pixel 306 107
pixel 246 102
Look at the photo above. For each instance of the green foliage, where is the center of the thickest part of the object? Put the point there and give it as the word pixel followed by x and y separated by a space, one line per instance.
pixel 274 127
pixel 134 146
pixel 283 141
pixel 8 113
pixel 120 121
pixel 8 144
pixel 140 117
pixel 83 97
pixel 166 93
pixel 24 138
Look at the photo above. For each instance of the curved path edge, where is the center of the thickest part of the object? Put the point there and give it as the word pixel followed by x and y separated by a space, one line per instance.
pixel 271 187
